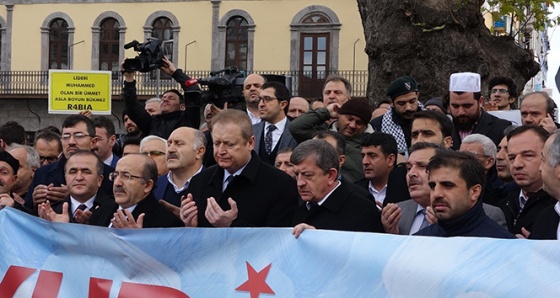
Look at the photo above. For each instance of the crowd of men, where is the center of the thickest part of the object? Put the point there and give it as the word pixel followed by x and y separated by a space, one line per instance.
pixel 445 167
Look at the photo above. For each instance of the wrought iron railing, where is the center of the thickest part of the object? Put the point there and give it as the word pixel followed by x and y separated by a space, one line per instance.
pixel 35 84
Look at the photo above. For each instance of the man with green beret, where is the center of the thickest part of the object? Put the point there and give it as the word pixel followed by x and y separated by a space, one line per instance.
pixel 403 94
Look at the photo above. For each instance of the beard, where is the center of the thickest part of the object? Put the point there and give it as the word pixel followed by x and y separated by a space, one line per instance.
pixel 465 122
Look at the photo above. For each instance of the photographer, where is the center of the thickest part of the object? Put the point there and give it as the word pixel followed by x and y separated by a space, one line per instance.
pixel 176 111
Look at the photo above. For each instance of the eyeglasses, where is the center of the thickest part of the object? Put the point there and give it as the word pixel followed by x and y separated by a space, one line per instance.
pixel 124 176
pixel 266 99
pixel 501 91
pixel 154 153
pixel 49 159
pixel 76 135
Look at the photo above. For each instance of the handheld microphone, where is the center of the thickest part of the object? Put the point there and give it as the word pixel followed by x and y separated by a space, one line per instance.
pixel 191 82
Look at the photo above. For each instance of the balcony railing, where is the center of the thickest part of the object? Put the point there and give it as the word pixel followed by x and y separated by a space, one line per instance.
pixel 35 84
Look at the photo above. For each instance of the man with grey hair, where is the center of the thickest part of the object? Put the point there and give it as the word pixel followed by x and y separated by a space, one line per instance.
pixel 29 162
pixel 185 151
pixel 156 148
pixel 484 150
pixel 153 106
pixel 329 204
pixel 547 225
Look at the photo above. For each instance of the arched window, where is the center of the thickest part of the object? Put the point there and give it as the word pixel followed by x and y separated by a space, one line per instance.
pixel 163 30
pixel 109 45
pixel 237 36
pixel 315 35
pixel 58 44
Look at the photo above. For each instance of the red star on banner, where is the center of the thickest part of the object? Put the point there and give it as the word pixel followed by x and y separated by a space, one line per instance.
pixel 256 282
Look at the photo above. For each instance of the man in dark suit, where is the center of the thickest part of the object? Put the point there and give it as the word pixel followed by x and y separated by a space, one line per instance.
pixel 185 151
pixel 547 223
pixel 408 217
pixel 84 174
pixel 78 133
pixel 272 134
pixel 457 181
pixel 522 208
pixel 465 103
pixel 329 204
pixel 106 139
pixel 135 205
pixel 241 190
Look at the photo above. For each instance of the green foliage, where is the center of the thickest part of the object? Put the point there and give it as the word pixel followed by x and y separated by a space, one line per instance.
pixel 534 12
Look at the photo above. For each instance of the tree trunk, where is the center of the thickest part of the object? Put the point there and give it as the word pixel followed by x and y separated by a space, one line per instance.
pixel 431 39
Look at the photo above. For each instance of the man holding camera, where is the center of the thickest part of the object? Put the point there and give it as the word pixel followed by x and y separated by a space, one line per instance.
pixel 176 110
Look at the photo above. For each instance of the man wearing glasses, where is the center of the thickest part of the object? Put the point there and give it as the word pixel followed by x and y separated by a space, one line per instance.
pixel 156 148
pixel 78 133
pixel 135 205
pixel 502 93
pixel 272 134
pixel 48 145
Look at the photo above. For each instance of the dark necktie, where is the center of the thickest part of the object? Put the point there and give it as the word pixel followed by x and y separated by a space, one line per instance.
pixel 312 210
pixel 424 220
pixel 268 139
pixel 80 207
pixel 228 180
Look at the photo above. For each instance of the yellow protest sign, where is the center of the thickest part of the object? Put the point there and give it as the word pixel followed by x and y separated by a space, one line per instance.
pixel 73 91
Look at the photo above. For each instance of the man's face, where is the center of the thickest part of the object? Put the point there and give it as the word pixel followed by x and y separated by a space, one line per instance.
pixel 252 88
pixel 428 130
pixel 335 91
pixel 502 100
pixel 24 173
pixel 154 108
pixel 464 109
pixel 7 177
pixel 130 192
pixel 350 125
pixel 170 103
pixel 533 109
pixel 298 106
pixel 450 196
pixel 406 105
pixel 283 163
pixel 104 145
pixel 273 109
pixel 156 150
pixel 180 152
pixel 231 151
pixel 313 184
pixel 375 164
pixel 47 150
pixel 82 177
pixel 502 162
pixel 76 138
pixel 550 175
pixel 524 152
pixel 478 151
pixel 131 149
pixel 129 125
pixel 417 177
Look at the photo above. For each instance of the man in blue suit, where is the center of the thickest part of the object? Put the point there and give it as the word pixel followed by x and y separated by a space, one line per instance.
pixel 272 134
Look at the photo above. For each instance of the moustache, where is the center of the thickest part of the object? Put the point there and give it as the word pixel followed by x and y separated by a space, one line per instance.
pixel 172 156
pixel 414 181
pixel 118 189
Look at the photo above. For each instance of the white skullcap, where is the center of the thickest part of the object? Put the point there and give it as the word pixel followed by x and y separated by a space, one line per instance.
pixel 464 82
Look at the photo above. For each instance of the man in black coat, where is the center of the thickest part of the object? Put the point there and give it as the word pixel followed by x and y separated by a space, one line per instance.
pixel 465 104
pixel 49 183
pixel 522 208
pixel 135 205
pixel 176 111
pixel 83 173
pixel 241 190
pixel 329 204
pixel 457 181
pixel 546 224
